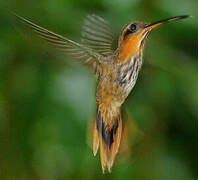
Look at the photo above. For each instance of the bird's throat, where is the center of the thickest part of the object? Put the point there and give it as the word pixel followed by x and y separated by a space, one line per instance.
pixel 129 48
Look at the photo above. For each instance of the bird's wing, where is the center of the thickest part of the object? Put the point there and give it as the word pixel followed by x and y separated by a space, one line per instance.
pixel 81 52
pixel 98 34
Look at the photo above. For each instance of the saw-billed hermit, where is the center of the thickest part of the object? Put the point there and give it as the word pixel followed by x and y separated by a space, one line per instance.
pixel 117 71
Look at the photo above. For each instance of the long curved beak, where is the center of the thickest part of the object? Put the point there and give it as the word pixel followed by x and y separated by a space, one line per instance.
pixel 158 23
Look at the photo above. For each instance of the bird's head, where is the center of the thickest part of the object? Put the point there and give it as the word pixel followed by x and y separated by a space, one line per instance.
pixel 133 36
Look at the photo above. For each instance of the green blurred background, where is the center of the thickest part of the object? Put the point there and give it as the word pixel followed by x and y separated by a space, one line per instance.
pixel 47 98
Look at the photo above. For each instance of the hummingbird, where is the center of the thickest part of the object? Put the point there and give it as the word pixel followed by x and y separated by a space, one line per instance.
pixel 116 70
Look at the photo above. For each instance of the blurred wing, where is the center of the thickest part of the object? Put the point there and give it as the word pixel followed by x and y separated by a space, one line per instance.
pixel 98 34
pixel 78 51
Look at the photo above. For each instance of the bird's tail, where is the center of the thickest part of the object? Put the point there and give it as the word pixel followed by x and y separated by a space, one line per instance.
pixel 107 134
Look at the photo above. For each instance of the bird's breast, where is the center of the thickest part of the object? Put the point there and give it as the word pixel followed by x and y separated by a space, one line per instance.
pixel 117 82
pixel 128 73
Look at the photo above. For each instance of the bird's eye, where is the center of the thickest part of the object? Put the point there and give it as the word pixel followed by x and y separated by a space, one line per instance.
pixel 134 27
pixel 131 29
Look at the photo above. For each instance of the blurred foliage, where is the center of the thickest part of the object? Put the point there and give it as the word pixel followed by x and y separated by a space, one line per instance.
pixel 47 98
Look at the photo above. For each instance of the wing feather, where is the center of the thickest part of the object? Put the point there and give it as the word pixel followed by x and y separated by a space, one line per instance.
pixel 85 54
pixel 97 34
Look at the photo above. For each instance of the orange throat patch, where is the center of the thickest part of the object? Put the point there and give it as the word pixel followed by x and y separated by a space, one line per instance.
pixel 129 47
